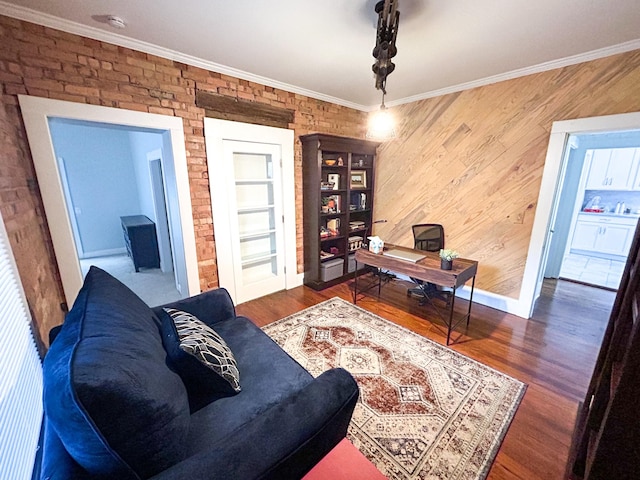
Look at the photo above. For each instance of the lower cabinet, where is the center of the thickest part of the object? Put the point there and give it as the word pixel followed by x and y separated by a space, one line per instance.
pixel 606 235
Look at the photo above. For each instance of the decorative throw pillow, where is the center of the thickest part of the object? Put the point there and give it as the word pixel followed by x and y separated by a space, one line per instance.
pixel 196 340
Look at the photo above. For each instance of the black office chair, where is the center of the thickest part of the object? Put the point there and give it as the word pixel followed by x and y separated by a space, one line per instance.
pixel 428 237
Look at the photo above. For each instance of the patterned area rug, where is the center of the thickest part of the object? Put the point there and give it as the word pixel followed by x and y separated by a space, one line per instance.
pixel 425 411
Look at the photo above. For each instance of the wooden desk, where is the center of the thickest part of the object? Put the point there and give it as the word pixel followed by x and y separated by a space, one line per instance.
pixel 428 270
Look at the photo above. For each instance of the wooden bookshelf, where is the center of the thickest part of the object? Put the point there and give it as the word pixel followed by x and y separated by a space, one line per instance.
pixel 338 185
pixel 606 438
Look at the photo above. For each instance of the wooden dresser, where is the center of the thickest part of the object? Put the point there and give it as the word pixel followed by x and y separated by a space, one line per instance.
pixel 141 241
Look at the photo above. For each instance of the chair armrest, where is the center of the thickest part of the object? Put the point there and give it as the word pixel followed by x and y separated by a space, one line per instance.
pixel 211 307
pixel 285 441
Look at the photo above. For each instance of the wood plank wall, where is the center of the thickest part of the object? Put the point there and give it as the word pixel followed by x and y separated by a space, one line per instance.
pixel 473 160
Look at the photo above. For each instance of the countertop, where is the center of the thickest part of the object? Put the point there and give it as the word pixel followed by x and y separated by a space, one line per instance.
pixel 611 214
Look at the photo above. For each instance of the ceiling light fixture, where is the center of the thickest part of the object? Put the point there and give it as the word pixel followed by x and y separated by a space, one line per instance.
pixel 381 123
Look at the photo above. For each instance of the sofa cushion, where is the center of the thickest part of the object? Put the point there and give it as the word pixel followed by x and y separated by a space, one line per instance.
pixel 199 355
pixel 119 410
pixel 269 375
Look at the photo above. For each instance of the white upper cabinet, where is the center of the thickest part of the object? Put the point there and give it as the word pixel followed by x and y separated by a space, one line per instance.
pixel 613 169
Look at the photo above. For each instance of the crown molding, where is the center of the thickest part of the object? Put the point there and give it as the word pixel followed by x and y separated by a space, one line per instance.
pixel 33 16
pixel 541 67
pixel 51 21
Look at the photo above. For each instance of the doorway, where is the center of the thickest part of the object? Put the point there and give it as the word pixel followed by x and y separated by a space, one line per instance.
pixel 106 176
pixel 251 176
pixel 597 209
pixel 37 113
pixel 552 176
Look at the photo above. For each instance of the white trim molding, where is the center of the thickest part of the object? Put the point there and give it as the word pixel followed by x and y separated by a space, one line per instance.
pixel 51 21
pixel 36 111
pixel 521 72
pixel 550 188
pixel 33 16
pixel 483 297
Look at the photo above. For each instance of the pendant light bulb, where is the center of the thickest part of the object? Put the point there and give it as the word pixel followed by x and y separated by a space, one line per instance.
pixel 381 124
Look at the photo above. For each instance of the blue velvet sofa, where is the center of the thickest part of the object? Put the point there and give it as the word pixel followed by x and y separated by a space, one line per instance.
pixel 116 408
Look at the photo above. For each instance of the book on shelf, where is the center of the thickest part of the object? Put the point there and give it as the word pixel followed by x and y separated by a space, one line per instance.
pixel 358 201
pixel 356 225
pixel 333 225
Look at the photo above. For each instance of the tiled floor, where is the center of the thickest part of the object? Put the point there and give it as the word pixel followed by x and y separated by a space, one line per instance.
pixel 592 270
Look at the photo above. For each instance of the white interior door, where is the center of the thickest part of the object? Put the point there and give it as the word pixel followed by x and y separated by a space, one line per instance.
pixel 251 177
pixel 256 219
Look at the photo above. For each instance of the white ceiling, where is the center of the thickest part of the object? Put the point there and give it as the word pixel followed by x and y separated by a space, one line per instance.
pixel 323 48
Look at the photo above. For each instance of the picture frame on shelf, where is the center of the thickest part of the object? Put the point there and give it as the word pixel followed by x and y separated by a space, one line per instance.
pixel 335 179
pixel 331 204
pixel 358 179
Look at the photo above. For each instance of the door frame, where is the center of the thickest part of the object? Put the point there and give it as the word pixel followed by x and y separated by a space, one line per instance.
pixel 159 197
pixel 550 192
pixel 216 132
pixel 35 112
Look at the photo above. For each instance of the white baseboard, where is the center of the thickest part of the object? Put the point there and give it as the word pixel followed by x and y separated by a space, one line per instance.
pixel 296 281
pixel 488 299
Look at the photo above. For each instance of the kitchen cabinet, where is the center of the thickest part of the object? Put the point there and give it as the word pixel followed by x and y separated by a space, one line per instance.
pixel 603 235
pixel 612 169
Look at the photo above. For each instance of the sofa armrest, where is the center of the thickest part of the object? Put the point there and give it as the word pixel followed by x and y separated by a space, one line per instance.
pixel 211 307
pixel 56 463
pixel 285 441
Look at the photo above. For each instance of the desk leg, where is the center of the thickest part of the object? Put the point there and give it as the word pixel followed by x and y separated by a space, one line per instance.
pixel 450 325
pixel 379 281
pixel 473 284
pixel 355 285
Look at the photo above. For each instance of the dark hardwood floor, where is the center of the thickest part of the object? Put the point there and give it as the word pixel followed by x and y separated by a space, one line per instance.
pixel 553 353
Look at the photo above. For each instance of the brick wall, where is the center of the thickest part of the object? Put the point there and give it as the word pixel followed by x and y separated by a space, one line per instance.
pixel 26 226
pixel 40 61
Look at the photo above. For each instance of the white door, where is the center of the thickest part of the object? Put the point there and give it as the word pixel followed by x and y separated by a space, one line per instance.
pixel 251 176
pixel 256 219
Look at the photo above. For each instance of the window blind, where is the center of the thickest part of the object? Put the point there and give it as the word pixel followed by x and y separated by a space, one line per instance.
pixel 20 374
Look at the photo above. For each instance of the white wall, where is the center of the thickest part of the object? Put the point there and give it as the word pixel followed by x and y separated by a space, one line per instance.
pixel 142 143
pixel 101 180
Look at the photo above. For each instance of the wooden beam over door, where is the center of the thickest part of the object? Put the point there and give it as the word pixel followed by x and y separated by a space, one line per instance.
pixel 237 110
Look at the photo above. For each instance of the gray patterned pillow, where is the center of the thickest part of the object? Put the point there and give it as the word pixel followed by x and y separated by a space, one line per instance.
pixel 199 340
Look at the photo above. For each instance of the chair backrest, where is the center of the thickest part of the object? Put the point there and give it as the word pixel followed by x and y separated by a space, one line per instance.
pixel 428 237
